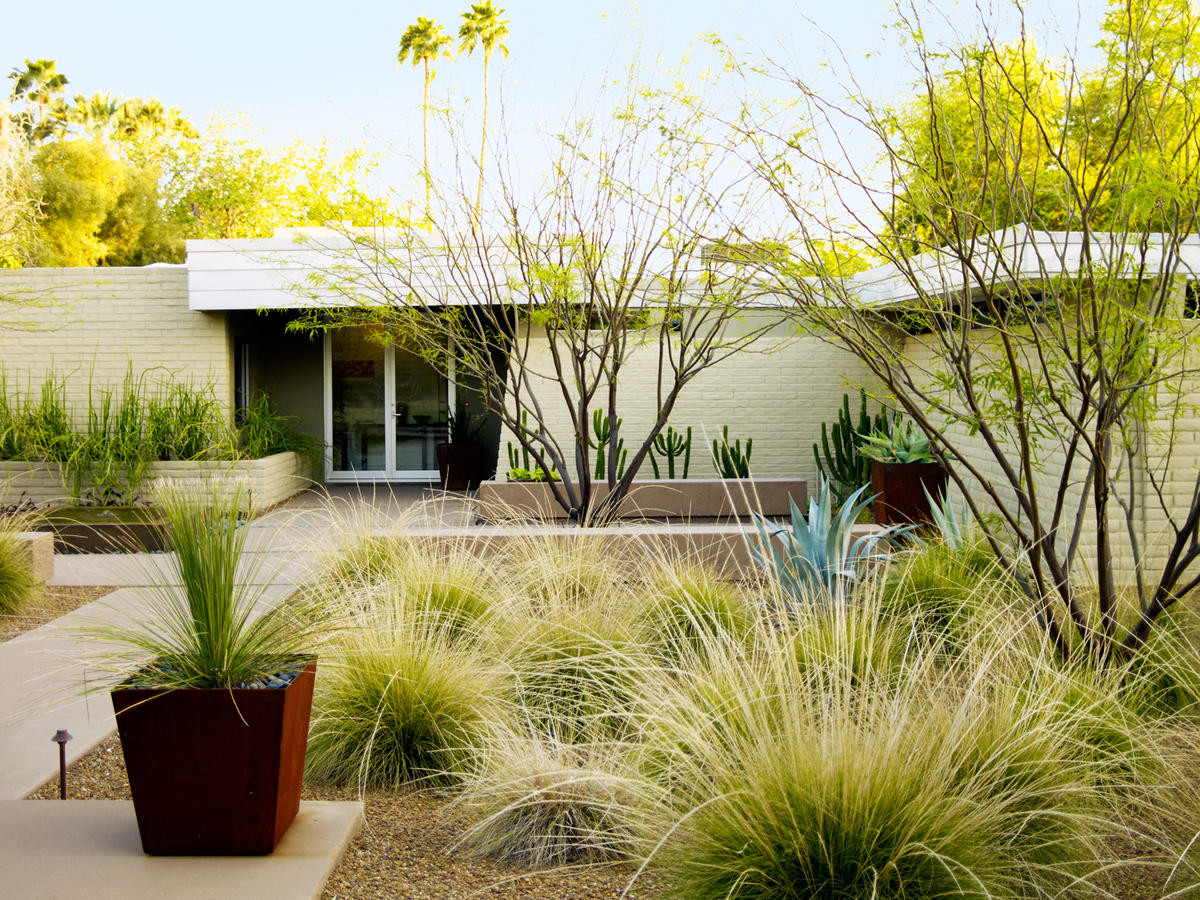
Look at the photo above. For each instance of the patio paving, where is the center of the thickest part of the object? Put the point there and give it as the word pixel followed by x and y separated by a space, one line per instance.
pixel 90 849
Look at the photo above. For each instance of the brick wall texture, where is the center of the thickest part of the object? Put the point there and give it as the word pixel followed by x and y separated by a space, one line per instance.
pixel 778 393
pixel 93 325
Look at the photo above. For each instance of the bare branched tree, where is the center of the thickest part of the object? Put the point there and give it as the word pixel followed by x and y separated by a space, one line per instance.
pixel 542 301
pixel 1035 314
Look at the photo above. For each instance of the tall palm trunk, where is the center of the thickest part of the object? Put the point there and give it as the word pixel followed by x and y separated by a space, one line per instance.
pixel 483 135
pixel 425 141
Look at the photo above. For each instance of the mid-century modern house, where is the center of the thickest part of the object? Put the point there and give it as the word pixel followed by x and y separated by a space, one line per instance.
pixel 220 320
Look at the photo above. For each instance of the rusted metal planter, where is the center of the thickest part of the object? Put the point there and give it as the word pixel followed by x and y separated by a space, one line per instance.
pixel 899 490
pixel 458 466
pixel 214 771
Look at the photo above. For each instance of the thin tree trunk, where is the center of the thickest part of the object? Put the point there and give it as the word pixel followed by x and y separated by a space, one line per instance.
pixel 425 141
pixel 483 136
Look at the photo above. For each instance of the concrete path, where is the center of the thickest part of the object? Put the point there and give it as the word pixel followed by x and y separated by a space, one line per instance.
pixel 91 849
pixel 51 850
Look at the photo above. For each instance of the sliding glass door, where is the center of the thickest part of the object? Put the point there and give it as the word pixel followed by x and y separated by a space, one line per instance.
pixel 385 410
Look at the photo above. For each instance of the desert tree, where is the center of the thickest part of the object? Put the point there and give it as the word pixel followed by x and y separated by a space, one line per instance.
pixel 1038 224
pixel 543 302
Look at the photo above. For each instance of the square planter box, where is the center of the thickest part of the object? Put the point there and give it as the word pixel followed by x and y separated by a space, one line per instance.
pixel 900 488
pixel 215 771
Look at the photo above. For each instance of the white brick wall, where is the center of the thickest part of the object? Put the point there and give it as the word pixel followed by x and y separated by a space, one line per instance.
pixel 778 393
pixel 268 481
pixel 93 325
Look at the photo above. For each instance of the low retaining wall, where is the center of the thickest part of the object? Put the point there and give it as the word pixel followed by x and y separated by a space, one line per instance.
pixel 699 498
pixel 267 481
pixel 724 549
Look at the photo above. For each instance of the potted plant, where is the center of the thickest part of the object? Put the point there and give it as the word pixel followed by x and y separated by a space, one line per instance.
pixel 904 474
pixel 459 458
pixel 213 696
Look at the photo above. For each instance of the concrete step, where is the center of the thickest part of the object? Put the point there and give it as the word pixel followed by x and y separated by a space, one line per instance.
pixel 71 849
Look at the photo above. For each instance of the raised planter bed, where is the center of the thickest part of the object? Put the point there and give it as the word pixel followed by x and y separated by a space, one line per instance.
pixel 694 498
pixel 105 529
pixel 267 481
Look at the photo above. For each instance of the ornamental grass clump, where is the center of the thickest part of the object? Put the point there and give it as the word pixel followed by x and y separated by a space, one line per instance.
pixel 402 703
pixel 687 609
pixel 17 582
pixel 203 626
pixel 791 780
pixel 544 803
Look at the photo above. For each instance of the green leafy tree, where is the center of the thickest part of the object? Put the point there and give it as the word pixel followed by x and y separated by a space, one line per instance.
pixel 548 305
pixel 424 42
pixel 1047 354
pixel 482 26
pixel 79 182
pixel 225 185
pixel 18 201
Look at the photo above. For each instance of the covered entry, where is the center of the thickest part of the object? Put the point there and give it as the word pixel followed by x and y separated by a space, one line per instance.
pixel 385 409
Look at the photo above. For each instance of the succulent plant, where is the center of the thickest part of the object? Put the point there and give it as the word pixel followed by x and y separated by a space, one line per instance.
pixel 728 458
pixel 670 445
pixel 904 443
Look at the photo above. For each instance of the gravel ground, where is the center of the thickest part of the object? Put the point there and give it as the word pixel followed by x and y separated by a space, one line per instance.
pixel 403 850
pixel 49 604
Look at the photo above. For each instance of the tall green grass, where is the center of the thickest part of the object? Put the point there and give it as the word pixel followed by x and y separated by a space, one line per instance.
pixel 106 451
pixel 211 632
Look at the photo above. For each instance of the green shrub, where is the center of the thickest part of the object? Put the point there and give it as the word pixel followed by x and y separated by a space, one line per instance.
pixel 17 583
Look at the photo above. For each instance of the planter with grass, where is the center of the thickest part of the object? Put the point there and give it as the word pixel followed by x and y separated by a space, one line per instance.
pixel 213 706
pixel 904 475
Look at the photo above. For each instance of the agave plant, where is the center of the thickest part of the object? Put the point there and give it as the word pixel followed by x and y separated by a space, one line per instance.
pixel 905 443
pixel 819 558
pixel 954 526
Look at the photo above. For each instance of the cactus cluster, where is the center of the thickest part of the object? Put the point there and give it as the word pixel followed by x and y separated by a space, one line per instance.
pixel 729 459
pixel 602 429
pixel 839 456
pixel 519 462
pixel 671 445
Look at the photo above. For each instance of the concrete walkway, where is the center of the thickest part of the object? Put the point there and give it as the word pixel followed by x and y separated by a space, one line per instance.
pixel 43 678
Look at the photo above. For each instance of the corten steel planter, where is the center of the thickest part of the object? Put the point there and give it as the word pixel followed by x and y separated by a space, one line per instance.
pixel 458 466
pixel 899 490
pixel 214 771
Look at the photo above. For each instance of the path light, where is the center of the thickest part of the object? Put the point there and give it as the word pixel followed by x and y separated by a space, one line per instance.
pixel 61 737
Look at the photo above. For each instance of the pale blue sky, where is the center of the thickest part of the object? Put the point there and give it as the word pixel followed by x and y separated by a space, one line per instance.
pixel 328 70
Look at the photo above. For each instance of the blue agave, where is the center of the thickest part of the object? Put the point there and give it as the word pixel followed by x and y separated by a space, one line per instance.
pixel 818 559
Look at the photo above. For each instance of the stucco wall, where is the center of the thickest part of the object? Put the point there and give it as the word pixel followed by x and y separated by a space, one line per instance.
pixel 95 324
pixel 778 392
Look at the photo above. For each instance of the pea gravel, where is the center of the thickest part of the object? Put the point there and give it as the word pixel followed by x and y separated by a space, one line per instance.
pixel 403 850
pixel 49 604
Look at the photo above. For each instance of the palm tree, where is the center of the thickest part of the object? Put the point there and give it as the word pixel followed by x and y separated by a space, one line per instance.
pixel 39 84
pixel 424 42
pixel 482 25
